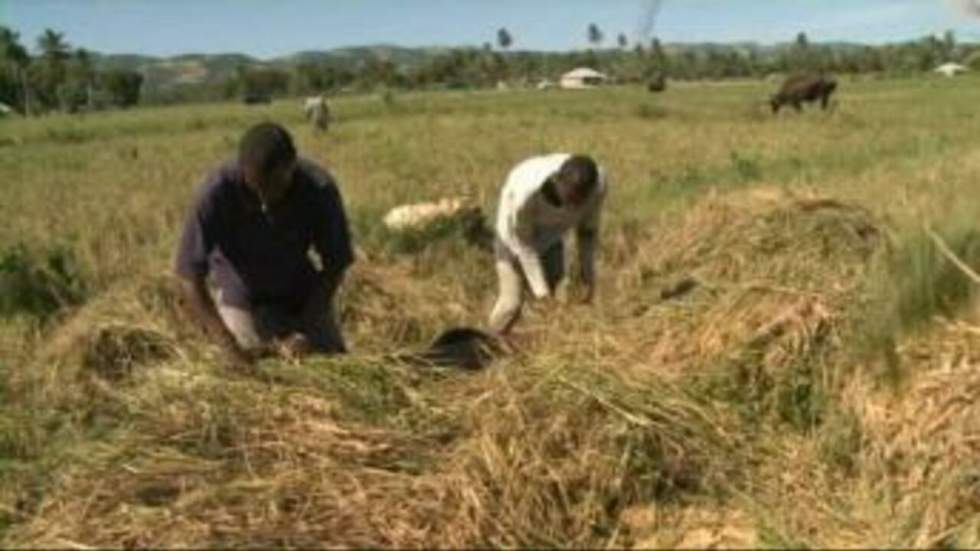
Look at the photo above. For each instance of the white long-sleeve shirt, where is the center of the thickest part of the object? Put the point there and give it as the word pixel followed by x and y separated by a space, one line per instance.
pixel 528 224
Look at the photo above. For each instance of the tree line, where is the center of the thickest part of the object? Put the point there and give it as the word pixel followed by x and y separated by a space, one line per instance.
pixel 60 77
pixel 639 62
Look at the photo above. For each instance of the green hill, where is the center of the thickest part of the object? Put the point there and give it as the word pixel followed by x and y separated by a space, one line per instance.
pixel 161 72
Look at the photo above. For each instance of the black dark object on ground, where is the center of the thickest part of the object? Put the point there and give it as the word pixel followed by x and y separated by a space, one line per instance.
pixel 462 347
pixel 256 99
pixel 678 289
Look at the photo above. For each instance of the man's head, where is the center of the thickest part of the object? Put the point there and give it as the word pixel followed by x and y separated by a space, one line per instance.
pixel 267 157
pixel 577 178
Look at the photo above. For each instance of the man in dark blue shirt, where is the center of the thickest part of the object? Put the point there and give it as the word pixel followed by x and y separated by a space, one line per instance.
pixel 250 230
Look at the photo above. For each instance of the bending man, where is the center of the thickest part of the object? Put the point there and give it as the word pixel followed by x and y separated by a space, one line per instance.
pixel 542 199
pixel 250 231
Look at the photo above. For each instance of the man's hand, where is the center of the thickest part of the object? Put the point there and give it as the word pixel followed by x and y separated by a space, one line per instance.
pixel 295 346
pixel 205 314
pixel 244 360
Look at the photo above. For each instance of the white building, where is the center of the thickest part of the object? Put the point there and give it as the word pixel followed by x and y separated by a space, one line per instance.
pixel 950 69
pixel 582 77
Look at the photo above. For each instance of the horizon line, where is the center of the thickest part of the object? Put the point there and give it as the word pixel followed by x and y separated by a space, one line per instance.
pixel 630 47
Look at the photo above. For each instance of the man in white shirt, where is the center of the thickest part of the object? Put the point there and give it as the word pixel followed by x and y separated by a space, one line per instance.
pixel 543 198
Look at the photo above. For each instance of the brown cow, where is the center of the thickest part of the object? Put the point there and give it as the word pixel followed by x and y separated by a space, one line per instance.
pixel 803 88
pixel 657 82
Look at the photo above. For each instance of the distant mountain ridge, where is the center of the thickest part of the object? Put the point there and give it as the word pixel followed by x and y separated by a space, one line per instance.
pixel 193 68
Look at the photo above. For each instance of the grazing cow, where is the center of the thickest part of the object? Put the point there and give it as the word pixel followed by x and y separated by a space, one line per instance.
pixel 317 112
pixel 657 83
pixel 803 88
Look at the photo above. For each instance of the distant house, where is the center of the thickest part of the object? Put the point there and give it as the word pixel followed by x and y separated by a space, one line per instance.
pixel 950 69
pixel 582 77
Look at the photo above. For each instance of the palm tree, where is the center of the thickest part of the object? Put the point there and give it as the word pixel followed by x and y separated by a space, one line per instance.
pixel 504 38
pixel 83 58
pixel 53 46
pixel 51 73
pixel 499 65
pixel 595 35
pixel 12 52
pixel 10 48
pixel 802 53
pixel 84 72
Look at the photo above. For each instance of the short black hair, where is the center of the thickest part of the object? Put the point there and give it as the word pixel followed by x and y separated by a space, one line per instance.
pixel 266 146
pixel 580 173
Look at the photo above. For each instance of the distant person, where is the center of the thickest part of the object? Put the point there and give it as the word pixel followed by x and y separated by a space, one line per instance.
pixel 250 231
pixel 318 112
pixel 542 199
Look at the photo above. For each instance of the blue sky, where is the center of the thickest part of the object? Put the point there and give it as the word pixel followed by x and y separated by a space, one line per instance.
pixel 269 28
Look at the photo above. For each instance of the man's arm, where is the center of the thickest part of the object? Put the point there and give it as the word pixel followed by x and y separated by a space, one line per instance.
pixel 197 241
pixel 332 241
pixel 330 280
pixel 325 289
pixel 323 293
pixel 587 236
pixel 520 239
pixel 205 314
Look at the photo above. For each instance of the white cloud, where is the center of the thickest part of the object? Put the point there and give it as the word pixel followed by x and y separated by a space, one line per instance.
pixel 969 8
pixel 872 15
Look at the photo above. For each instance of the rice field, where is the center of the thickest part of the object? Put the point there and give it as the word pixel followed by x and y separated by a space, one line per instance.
pixel 780 353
